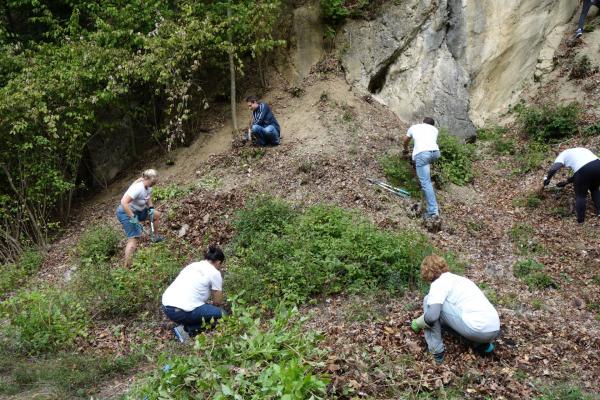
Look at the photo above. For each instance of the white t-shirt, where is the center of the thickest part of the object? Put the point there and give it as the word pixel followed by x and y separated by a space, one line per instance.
pixel 193 286
pixel 140 195
pixel 575 158
pixel 425 138
pixel 476 310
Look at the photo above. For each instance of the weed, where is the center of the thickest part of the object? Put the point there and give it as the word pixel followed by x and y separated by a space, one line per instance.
pixel 12 276
pixel 537 304
pixel 596 279
pixel 170 192
pixel 455 163
pixel 531 200
pixel 531 272
pixel 522 237
pixel 297 91
pixel 549 123
pixel 581 67
pixel 209 182
pixel 592 130
pixel 500 143
pixel 531 157
pixel 98 244
pixel 489 292
pixel 43 321
pixel 399 172
pixel 280 253
pixel 564 392
pixel 560 211
pixel 272 359
pixel 250 154
pixel 509 300
pixel 128 291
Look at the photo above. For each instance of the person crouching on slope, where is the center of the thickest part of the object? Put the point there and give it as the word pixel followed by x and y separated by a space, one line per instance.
pixel 586 176
pixel 185 300
pixel 264 126
pixel 454 302
pixel 136 206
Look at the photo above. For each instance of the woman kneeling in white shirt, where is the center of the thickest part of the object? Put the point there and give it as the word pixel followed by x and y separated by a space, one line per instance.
pixel 455 302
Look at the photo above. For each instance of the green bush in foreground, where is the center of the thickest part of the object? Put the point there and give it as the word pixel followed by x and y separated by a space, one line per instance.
pixel 13 275
pixel 98 243
pixel 399 172
pixel 456 162
pixel 127 291
pixel 246 358
pixel 322 251
pixel 549 122
pixel 44 321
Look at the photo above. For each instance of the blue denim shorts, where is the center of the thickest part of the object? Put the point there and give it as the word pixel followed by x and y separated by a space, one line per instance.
pixel 131 230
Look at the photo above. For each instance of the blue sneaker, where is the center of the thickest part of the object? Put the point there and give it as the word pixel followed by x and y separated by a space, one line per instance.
pixel 485 348
pixel 578 33
pixel 181 334
pixel 439 357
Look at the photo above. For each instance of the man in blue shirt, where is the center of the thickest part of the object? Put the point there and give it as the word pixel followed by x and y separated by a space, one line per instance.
pixel 264 127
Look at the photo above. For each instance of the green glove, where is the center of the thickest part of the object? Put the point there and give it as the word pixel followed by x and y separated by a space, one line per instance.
pixel 418 324
pixel 151 212
pixel 134 220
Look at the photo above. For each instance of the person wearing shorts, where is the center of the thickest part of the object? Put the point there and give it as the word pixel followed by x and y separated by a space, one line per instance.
pixel 136 206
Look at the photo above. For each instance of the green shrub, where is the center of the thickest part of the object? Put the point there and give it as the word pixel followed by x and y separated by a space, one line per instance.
pixel 531 157
pixel 522 237
pixel 399 172
pixel 98 244
pixel 321 251
pixel 128 291
pixel 170 192
pixel 248 359
pixel 581 67
pixel 44 321
pixel 336 11
pixel 500 143
pixel 532 273
pixel 592 130
pixel 455 163
pixel 564 392
pixel 549 123
pixel 13 275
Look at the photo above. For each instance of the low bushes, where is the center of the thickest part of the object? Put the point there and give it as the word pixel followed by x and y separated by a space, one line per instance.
pixel 532 273
pixel 549 123
pixel 399 172
pixel 321 251
pixel 98 244
pixel 13 275
pixel 456 162
pixel 246 358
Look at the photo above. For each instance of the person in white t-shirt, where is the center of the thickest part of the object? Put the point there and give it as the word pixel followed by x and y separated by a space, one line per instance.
pixel 185 301
pixel 136 206
pixel 425 152
pixel 586 177
pixel 455 302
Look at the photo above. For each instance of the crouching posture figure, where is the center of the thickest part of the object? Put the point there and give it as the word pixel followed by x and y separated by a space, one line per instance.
pixel 455 302
pixel 185 300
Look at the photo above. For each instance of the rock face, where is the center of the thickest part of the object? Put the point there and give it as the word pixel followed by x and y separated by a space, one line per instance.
pixel 455 60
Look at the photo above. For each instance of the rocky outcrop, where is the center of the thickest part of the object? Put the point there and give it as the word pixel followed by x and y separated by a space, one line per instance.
pixel 456 60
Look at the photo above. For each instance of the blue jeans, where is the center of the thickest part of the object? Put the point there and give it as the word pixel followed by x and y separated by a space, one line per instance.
pixel 131 230
pixel 193 321
pixel 266 135
pixel 423 162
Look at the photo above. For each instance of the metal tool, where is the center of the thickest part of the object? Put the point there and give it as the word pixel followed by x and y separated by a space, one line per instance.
pixel 392 189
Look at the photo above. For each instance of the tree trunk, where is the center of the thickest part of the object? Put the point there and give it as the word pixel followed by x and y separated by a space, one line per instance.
pixel 232 77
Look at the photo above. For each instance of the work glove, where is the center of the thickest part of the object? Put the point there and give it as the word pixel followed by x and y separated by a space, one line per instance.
pixel 151 212
pixel 562 184
pixel 546 181
pixel 418 324
pixel 134 220
pixel 404 153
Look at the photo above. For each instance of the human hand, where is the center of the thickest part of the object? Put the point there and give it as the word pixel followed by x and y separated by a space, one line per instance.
pixel 134 219
pixel 546 181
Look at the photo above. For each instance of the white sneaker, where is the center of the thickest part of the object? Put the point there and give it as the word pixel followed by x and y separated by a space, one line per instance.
pixel 181 334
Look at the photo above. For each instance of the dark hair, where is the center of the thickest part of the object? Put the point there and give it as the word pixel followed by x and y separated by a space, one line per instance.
pixel 429 120
pixel 214 253
pixel 252 99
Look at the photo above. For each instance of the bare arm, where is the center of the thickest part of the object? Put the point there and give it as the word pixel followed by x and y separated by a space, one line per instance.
pixel 217 297
pixel 405 142
pixel 125 203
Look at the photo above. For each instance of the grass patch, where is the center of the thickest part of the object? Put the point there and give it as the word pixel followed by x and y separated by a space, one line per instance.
pixel 98 244
pixel 399 172
pixel 532 273
pixel 122 292
pixel 531 157
pixel 564 392
pixel 522 237
pixel 501 145
pixel 43 321
pixel 530 200
pixel 456 161
pixel 14 275
pixel 170 192
pixel 73 375
pixel 283 253
pixel 548 123
pixel 489 292
pixel 249 358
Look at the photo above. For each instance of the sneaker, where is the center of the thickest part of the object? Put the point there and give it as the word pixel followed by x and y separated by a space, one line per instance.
pixel 578 33
pixel 485 348
pixel 439 358
pixel 181 334
pixel 158 239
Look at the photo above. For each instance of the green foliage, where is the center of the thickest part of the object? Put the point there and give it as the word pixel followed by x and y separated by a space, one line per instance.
pixel 455 163
pixel 43 321
pixel 592 130
pixel 549 123
pixel 581 67
pixel 98 244
pixel 13 275
pixel 399 172
pixel 531 200
pixel 170 192
pixel 75 375
pixel 280 253
pixel 564 392
pixel 531 157
pixel 128 291
pixel 274 359
pixel 501 144
pixel 522 237
pixel 532 273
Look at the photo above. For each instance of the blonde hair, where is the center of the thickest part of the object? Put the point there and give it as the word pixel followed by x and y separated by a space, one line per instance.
pixel 149 174
pixel 432 267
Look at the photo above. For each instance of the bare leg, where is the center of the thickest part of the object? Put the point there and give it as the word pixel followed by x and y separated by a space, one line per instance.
pixel 130 250
pixel 156 219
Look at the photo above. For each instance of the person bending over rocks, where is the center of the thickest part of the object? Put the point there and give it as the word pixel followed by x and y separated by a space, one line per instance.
pixel 263 127
pixel 136 206
pixel 185 300
pixel 586 176
pixel 457 304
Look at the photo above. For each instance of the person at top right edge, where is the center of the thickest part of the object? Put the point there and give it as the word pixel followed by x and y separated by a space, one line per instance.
pixel 587 4
pixel 586 176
